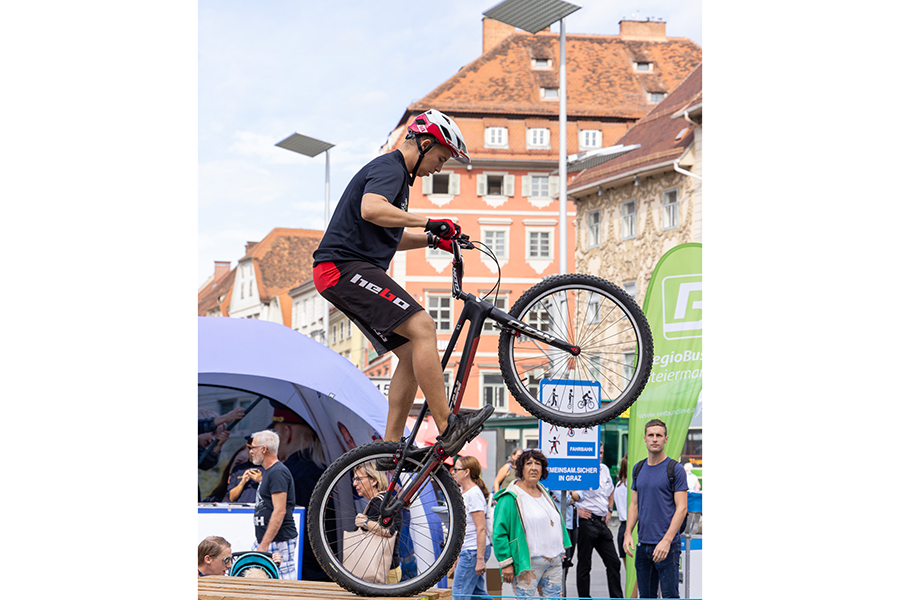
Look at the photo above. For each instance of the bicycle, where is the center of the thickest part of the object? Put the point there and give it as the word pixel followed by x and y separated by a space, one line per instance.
pixel 568 332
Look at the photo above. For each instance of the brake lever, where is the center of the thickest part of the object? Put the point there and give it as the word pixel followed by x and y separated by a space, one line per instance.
pixel 464 243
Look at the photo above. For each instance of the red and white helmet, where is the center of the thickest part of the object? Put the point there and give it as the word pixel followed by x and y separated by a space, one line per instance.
pixel 444 129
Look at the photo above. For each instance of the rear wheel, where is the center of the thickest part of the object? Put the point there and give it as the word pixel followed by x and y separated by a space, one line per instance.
pixel 604 378
pixel 431 532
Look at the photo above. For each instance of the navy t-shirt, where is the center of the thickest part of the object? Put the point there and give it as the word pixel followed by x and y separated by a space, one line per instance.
pixel 656 501
pixel 276 478
pixel 349 236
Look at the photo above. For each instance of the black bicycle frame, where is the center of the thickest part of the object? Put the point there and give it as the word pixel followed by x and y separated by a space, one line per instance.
pixel 475 311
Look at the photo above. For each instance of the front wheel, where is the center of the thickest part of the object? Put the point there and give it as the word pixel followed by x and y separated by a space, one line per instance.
pixel 604 378
pixel 428 534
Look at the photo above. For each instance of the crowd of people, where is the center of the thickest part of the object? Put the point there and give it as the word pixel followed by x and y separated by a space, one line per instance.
pixel 534 546
pixel 279 466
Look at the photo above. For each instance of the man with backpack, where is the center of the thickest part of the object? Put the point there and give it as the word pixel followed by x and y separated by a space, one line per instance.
pixel 659 504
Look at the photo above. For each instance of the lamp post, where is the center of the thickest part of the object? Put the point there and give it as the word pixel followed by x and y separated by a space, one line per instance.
pixel 311 147
pixel 533 16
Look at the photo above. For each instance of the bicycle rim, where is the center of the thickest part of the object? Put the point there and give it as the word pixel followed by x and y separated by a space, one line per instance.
pixel 609 373
pixel 430 534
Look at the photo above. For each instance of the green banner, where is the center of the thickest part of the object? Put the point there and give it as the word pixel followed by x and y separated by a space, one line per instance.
pixel 674 308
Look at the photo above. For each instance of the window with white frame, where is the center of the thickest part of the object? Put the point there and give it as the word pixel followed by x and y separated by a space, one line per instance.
pixel 541 63
pixel 493 390
pixel 495 239
pixel 540 186
pixel 643 66
pixel 670 209
pixel 448 383
pixel 538 317
pixel 593 229
pixel 496 137
pixel 539 244
pixel 499 185
pixel 441 184
pixel 538 137
pixel 550 93
pixel 630 288
pixel 341 329
pixel 439 309
pixel 629 219
pixel 594 310
pixel 499 302
pixel 590 138
pixel 656 97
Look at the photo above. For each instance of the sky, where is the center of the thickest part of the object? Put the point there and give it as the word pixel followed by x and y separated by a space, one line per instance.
pixel 339 72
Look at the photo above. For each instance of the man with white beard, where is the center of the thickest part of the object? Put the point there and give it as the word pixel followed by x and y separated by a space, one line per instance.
pixel 273 514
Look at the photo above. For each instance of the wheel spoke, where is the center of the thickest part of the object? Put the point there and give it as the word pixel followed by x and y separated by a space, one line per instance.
pixel 611 334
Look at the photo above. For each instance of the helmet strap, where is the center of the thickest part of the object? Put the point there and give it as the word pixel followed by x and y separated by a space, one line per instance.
pixel 412 176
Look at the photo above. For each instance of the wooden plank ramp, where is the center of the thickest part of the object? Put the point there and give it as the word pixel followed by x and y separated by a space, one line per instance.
pixel 242 588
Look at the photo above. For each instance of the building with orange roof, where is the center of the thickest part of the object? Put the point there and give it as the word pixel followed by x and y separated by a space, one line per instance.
pixel 506 102
pixel 215 290
pixel 258 287
pixel 635 207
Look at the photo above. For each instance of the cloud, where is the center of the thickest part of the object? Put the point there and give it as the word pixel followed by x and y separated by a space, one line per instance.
pixel 238 181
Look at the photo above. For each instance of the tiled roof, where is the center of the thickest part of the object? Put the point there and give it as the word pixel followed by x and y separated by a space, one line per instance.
pixel 209 296
pixel 600 77
pixel 657 133
pixel 283 260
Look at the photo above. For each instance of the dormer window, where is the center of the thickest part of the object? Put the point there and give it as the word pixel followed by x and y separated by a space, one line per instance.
pixel 550 93
pixel 643 66
pixel 538 137
pixel 541 63
pixel 656 97
pixel 495 137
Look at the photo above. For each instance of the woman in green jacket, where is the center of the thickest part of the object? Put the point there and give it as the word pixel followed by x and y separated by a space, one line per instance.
pixel 529 538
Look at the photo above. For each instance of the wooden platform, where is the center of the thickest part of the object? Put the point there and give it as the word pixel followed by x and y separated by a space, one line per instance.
pixel 241 588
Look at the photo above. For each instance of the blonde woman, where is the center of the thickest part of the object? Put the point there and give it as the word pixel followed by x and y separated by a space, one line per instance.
pixel 370 483
pixel 469 580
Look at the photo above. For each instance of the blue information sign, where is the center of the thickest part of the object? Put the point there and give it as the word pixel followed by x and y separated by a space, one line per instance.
pixel 571 454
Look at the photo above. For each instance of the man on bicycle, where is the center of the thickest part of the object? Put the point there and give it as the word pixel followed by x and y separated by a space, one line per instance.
pixel 350 264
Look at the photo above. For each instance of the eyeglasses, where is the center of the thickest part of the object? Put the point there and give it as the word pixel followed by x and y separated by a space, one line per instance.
pixel 454 469
pixel 358 479
pixel 249 447
pixel 228 560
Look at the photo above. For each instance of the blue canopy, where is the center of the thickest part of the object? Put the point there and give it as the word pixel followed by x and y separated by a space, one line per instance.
pixel 320 385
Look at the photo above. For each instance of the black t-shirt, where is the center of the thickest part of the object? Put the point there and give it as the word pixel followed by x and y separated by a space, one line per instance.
pixel 373 511
pixel 349 236
pixel 276 478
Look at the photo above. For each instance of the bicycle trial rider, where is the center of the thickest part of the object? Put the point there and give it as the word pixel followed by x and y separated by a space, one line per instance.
pixel 368 227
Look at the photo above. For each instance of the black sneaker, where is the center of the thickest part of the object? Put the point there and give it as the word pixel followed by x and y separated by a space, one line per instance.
pixel 462 429
pixel 414 454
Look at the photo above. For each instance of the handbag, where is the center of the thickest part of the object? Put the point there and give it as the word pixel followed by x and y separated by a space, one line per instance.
pixel 368 555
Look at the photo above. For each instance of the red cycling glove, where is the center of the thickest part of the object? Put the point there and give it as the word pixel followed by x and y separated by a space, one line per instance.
pixel 443 228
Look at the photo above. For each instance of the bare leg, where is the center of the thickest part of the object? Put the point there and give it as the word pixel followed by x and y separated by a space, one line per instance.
pixel 419 367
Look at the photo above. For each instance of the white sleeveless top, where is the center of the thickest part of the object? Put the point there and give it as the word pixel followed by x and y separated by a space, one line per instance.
pixel 543 538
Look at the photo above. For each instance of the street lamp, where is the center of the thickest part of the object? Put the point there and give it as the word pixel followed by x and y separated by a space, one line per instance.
pixel 533 16
pixel 311 147
pixel 308 146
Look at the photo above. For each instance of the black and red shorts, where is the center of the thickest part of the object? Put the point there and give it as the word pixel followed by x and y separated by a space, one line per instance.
pixel 369 298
